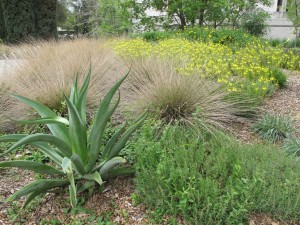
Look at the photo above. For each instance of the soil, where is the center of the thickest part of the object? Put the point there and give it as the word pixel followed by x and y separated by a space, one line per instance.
pixel 116 200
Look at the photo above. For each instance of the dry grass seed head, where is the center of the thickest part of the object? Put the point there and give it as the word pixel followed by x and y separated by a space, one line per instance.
pixel 48 70
pixel 189 100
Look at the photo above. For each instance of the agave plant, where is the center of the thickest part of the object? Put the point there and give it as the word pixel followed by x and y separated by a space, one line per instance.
pixel 81 159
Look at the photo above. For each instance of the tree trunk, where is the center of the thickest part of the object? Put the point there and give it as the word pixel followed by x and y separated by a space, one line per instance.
pixel 19 20
pixel 45 19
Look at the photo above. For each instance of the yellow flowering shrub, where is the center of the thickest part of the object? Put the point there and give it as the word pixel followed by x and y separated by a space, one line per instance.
pixel 246 68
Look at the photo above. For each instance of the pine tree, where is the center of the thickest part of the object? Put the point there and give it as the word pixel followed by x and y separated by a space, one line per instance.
pixel 19 20
pixel 45 18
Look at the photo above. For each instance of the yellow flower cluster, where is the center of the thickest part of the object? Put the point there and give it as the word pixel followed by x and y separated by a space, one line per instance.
pixel 248 67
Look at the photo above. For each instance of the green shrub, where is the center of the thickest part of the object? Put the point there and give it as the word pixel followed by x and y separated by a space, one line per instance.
pixel 155 36
pixel 292 146
pixel 273 127
pixel 255 23
pixel 279 76
pixel 74 150
pixel 216 181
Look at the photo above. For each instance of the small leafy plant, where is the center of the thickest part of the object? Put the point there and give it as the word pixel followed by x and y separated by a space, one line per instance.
pixel 273 127
pixel 292 146
pixel 74 150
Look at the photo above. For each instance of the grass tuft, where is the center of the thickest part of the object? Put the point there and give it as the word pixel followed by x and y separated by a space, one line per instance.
pixel 274 128
pixel 48 69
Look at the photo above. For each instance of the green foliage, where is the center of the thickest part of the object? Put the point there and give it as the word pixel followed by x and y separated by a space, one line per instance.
pixel 45 18
pixel 70 147
pixel 2 23
pixel 255 23
pixel 114 18
pixel 292 146
pixel 192 13
pixel 216 181
pixel 19 19
pixel 273 127
pixel 222 36
pixel 279 76
pixel 293 12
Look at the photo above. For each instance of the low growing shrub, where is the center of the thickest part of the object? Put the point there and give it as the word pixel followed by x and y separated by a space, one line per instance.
pixel 273 127
pixel 216 181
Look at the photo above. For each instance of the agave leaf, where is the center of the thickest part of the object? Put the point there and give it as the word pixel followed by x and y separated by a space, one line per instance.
pixel 81 102
pixel 97 132
pixel 101 118
pixel 57 142
pixel 105 169
pixel 77 132
pixel 33 166
pixel 122 141
pixel 46 120
pixel 68 169
pixel 112 141
pixel 120 171
pixel 78 164
pixel 12 137
pixel 39 185
pixel 30 197
pixel 95 177
pixel 58 130
pixel 43 147
pixel 85 186
pixel 48 151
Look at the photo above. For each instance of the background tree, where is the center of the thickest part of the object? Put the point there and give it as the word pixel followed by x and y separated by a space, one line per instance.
pixel 2 23
pixel 113 18
pixel 19 20
pixel 45 18
pixel 293 13
pixel 193 12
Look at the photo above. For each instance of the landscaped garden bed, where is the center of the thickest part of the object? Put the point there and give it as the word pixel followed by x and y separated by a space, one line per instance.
pixel 197 157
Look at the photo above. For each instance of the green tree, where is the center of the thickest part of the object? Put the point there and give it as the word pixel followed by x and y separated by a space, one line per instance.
pixel 45 18
pixel 19 20
pixel 192 12
pixel 113 18
pixel 2 24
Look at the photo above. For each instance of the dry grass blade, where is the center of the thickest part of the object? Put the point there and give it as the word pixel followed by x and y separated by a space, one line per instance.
pixel 189 100
pixel 49 68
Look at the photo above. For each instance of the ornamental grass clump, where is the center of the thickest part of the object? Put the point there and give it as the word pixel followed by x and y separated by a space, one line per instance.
pixel 274 128
pixel 48 69
pixel 74 150
pixel 188 100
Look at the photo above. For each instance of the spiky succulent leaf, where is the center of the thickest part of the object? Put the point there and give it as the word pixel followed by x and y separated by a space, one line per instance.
pixel 46 120
pixel 48 151
pixel 97 132
pixel 119 171
pixel 112 141
pixel 57 142
pixel 77 132
pixel 119 145
pixel 95 177
pixel 39 185
pixel 33 166
pixel 87 185
pixel 105 169
pixel 81 102
pixel 78 164
pixel 58 130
